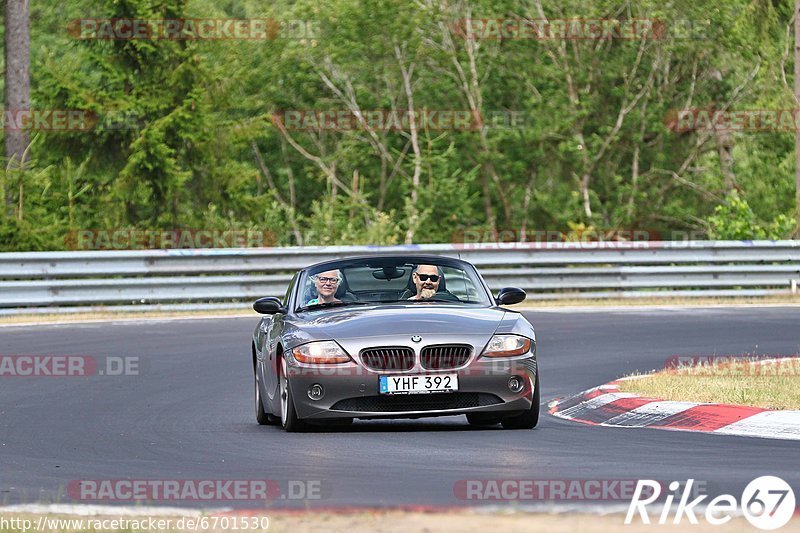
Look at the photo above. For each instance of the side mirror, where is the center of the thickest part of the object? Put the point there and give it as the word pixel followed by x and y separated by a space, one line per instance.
pixel 510 296
pixel 268 306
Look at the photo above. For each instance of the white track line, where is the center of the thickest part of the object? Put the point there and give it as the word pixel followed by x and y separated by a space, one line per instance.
pixel 126 320
pixel 769 424
pixel 647 414
pixel 645 308
pixel 96 510
pixel 594 403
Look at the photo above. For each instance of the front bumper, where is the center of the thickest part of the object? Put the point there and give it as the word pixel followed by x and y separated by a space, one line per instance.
pixel 351 391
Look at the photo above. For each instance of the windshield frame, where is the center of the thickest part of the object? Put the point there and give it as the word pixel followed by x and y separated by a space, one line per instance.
pixel 485 296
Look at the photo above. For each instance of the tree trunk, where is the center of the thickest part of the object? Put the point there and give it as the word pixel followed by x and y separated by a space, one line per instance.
pixel 413 211
pixel 725 143
pixel 18 84
pixel 797 133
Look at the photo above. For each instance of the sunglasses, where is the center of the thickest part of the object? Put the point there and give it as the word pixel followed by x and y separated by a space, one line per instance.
pixel 425 277
pixel 328 280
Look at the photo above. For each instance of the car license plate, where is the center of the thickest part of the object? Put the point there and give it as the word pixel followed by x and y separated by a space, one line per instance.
pixel 418 384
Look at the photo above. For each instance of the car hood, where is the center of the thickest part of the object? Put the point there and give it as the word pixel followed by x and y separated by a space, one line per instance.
pixel 404 319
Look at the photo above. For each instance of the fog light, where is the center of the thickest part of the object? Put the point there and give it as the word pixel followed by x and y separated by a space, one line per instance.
pixel 515 384
pixel 316 392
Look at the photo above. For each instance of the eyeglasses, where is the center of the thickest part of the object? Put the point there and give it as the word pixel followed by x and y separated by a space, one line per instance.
pixel 425 277
pixel 324 280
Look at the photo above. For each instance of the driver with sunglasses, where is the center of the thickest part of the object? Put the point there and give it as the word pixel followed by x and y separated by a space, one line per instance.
pixel 426 278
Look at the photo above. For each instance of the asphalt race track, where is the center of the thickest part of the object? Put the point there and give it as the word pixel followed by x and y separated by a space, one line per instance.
pixel 189 415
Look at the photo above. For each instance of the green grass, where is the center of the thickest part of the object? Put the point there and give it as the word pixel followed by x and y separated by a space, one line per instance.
pixel 752 383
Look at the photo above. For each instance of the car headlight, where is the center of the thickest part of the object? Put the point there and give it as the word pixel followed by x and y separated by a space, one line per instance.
pixel 322 352
pixel 507 346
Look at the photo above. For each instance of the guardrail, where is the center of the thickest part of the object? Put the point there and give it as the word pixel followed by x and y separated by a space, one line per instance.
pixel 211 277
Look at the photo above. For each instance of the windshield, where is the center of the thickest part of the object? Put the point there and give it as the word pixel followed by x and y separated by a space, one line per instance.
pixel 386 282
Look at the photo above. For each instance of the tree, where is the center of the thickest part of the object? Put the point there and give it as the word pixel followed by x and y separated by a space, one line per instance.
pixel 18 84
pixel 567 132
pixel 797 98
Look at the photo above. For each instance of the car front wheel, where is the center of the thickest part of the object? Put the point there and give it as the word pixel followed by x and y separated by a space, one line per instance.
pixel 481 420
pixel 289 419
pixel 263 418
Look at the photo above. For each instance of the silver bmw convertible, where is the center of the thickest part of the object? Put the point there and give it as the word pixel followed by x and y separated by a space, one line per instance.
pixel 395 336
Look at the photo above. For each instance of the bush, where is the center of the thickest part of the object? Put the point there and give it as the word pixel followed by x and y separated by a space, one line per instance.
pixel 735 220
pixel 16 235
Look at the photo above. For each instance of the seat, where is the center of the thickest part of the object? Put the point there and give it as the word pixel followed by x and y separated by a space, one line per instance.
pixel 343 292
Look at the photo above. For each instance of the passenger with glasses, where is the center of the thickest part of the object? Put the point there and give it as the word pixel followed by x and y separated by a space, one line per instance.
pixel 426 278
pixel 326 284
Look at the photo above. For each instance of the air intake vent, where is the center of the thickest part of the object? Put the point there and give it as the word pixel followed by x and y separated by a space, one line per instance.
pixel 445 356
pixel 388 358
pixel 417 402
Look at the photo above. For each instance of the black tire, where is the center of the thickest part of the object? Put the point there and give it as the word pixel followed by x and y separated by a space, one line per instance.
pixel 529 418
pixel 477 419
pixel 263 418
pixel 289 420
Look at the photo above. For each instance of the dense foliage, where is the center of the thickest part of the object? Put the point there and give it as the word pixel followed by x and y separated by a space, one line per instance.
pixel 575 133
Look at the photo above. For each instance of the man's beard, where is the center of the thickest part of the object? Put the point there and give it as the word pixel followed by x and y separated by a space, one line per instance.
pixel 427 293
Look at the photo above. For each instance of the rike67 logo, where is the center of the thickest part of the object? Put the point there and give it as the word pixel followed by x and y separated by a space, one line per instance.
pixel 767 503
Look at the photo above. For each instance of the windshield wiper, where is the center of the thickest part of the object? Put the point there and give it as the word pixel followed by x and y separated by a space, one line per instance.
pixel 327 305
